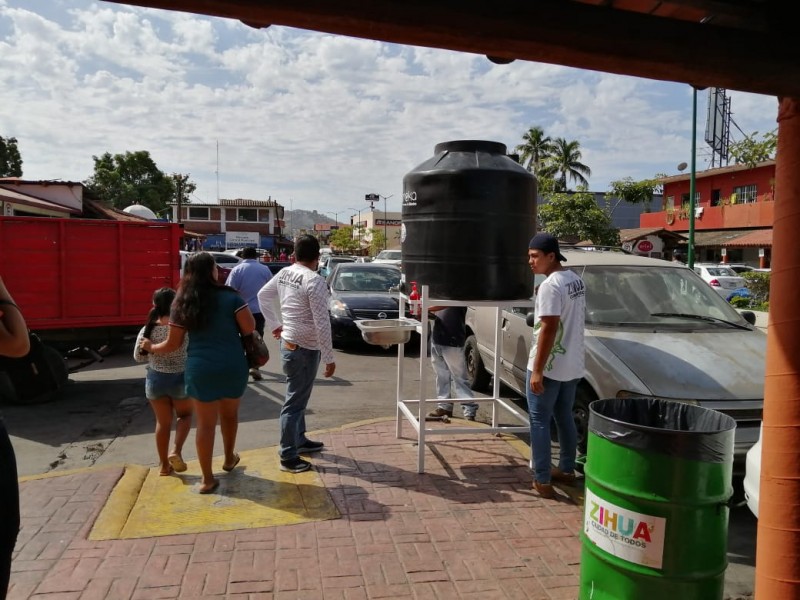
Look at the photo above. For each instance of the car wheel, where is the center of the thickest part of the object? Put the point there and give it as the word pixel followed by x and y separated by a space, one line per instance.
pixel 477 375
pixel 580 413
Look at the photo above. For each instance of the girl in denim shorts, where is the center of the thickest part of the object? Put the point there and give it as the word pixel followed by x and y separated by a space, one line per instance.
pixel 164 385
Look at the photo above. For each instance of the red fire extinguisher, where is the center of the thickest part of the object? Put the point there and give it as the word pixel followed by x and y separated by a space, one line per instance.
pixel 413 300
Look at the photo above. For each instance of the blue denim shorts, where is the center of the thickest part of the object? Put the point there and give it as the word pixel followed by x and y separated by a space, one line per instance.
pixel 158 385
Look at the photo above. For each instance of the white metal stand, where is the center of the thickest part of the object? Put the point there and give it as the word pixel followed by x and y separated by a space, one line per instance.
pixel 418 420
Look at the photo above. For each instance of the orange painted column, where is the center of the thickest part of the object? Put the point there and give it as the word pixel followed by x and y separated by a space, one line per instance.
pixel 778 553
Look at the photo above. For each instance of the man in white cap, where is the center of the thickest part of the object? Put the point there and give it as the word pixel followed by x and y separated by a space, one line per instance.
pixel 556 362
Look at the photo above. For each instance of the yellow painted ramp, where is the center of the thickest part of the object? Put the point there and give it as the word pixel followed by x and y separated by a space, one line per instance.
pixel 255 494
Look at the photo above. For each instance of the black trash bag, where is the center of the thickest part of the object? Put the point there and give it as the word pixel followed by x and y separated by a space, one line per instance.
pixel 673 428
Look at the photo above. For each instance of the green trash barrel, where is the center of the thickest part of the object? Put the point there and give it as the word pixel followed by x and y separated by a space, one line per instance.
pixel 658 482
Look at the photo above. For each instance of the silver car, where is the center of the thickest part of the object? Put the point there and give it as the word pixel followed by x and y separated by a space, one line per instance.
pixel 653 328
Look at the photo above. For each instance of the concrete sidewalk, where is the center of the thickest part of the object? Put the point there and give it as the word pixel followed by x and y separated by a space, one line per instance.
pixel 470 527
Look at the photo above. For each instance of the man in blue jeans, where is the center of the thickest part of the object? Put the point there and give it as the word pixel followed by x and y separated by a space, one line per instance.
pixel 304 329
pixel 556 362
pixel 447 356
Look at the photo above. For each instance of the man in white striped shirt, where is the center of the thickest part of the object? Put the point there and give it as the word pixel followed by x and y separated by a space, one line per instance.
pixel 303 326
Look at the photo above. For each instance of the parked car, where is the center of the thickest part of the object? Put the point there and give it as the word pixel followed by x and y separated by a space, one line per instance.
pixel 752 475
pixel 225 262
pixel 361 291
pixel 741 268
pixel 723 279
pixel 389 257
pixel 276 265
pixel 326 267
pixel 653 328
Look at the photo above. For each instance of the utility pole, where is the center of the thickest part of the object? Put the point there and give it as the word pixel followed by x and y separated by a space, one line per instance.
pixel 692 177
pixel 179 191
pixel 358 210
pixel 385 219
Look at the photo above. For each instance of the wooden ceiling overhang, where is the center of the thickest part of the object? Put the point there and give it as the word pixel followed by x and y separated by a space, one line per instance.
pixel 743 45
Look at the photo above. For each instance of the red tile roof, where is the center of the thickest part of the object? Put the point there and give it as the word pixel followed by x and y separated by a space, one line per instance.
pixel 761 238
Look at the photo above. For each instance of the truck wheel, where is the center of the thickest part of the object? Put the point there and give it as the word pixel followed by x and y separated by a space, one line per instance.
pixel 8 395
pixel 477 376
pixel 580 412
pixel 59 373
pixel 57 364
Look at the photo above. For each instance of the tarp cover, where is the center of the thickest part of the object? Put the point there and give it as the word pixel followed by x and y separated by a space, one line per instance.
pixel 664 426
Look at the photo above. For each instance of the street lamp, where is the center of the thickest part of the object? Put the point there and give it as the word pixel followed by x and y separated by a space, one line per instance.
pixel 358 210
pixel 335 217
pixel 385 234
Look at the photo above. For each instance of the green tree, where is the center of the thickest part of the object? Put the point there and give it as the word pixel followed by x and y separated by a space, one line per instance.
pixel 751 150
pixel 124 179
pixel 536 148
pixel 10 159
pixel 633 192
pixel 183 187
pixel 564 163
pixel 377 241
pixel 576 216
pixel 342 240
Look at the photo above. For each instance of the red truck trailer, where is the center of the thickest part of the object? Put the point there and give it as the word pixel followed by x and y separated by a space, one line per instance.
pixel 84 283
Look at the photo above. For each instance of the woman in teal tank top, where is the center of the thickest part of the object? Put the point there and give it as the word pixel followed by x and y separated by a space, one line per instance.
pixel 215 317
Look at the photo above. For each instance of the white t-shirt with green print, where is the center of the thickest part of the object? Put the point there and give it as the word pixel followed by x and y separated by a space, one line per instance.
pixel 562 294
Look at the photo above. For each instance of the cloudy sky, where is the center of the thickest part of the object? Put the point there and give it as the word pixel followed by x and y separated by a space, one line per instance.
pixel 312 120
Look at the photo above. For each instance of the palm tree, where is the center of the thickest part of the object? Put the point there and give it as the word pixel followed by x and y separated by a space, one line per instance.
pixel 535 150
pixel 564 162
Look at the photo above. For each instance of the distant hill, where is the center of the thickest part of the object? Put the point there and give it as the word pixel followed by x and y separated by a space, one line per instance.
pixel 304 219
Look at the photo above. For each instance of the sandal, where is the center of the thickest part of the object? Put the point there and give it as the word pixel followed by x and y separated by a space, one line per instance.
pixel 167 473
pixel 209 490
pixel 177 463
pixel 231 467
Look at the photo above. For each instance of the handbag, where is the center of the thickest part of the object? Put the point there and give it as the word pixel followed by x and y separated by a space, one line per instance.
pixel 255 349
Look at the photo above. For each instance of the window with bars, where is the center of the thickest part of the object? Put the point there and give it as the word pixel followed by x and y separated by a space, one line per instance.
pixel 745 194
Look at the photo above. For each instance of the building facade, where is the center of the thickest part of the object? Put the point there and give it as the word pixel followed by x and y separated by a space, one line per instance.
pixel 235 223
pixel 734 212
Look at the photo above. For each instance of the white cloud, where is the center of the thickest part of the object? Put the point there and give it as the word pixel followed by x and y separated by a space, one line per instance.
pixel 315 118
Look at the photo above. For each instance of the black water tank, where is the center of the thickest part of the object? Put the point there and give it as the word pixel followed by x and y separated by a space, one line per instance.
pixel 468 214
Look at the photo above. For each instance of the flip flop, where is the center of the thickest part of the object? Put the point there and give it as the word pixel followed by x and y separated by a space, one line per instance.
pixel 210 490
pixel 229 468
pixel 177 463
pixel 168 473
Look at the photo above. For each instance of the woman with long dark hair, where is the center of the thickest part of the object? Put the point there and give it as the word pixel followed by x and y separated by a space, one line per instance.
pixel 165 387
pixel 214 316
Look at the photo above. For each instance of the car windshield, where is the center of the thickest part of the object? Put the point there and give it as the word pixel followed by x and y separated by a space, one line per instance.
pixel 653 296
pixel 389 255
pixel 365 280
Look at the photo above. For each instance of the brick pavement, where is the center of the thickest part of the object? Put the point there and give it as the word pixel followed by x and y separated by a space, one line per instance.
pixel 467 528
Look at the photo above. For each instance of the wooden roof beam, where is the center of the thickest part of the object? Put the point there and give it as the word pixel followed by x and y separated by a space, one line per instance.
pixel 549 31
